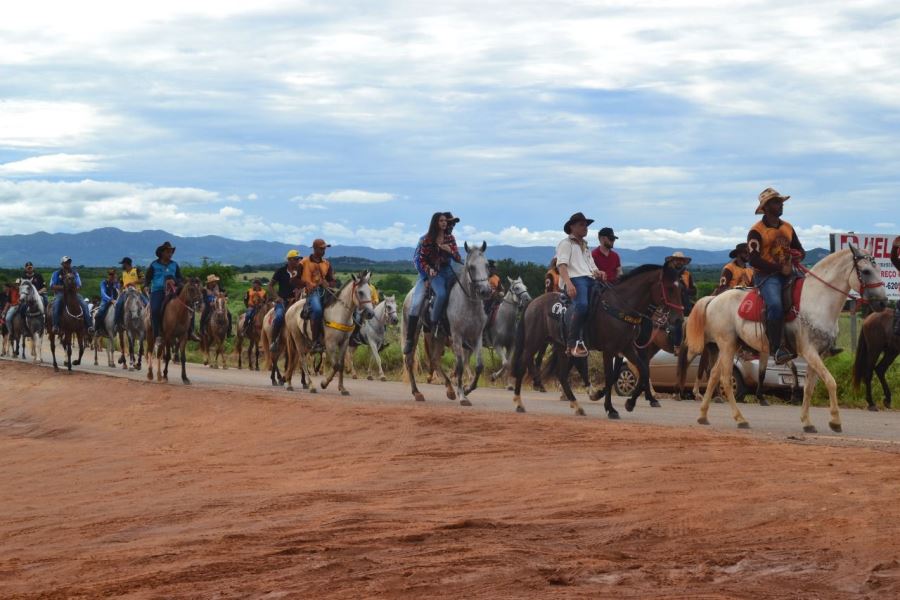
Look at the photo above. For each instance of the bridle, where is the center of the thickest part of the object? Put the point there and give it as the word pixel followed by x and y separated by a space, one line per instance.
pixel 862 286
pixel 521 298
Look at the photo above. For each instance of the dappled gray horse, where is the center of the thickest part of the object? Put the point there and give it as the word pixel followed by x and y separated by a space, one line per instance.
pixel 132 328
pixel 465 313
pixel 500 334
pixel 372 332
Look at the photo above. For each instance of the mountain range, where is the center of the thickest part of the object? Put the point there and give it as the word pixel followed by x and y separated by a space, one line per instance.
pixel 107 246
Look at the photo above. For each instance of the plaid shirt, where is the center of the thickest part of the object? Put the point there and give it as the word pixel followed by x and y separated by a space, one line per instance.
pixel 428 255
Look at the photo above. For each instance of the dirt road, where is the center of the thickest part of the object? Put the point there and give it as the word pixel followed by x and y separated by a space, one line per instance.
pixel 116 488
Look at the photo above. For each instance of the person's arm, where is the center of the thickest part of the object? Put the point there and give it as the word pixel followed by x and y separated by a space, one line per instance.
pixel 104 291
pixel 271 288
pixel 148 278
pixel 329 276
pixel 724 281
pixel 795 245
pixel 619 271
pixel 754 240
pixel 55 283
pixel 178 278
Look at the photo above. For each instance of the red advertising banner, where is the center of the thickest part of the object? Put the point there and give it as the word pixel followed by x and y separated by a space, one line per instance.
pixel 878 246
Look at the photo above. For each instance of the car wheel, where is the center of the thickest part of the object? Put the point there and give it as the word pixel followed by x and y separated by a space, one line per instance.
pixel 738 386
pixel 626 382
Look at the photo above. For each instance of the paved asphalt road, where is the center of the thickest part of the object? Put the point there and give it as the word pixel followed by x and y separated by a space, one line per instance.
pixel 860 427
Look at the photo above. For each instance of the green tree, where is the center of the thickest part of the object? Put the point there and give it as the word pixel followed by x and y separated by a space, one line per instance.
pixel 226 273
pixel 394 284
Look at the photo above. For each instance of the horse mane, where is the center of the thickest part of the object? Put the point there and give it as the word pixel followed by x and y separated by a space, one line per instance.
pixel 639 271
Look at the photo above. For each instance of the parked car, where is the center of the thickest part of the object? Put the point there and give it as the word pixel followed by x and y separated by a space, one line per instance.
pixel 664 376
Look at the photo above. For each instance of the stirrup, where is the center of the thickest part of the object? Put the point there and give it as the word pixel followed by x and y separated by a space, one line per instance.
pixel 579 350
pixel 784 356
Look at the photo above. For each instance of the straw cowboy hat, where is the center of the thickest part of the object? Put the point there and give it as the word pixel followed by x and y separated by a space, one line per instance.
pixel 767 195
pixel 742 247
pixel 679 254
pixel 577 217
pixel 165 246
pixel 211 278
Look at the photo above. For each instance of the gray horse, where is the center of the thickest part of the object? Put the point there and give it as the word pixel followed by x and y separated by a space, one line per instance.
pixel 465 312
pixel 27 321
pixel 106 331
pixel 372 332
pixel 132 328
pixel 500 334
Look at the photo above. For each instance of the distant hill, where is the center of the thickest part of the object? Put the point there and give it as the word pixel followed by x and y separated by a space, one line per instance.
pixel 106 246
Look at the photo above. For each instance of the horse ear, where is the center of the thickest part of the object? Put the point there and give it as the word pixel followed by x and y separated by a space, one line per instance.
pixel 510 279
pixel 353 277
pixel 854 250
pixel 483 245
pixel 466 246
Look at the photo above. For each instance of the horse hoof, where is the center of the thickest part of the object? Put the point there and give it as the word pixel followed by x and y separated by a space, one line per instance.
pixel 323 384
pixel 465 402
pixel 313 390
pixel 510 388
pixel 451 395
pixel 520 409
pixel 274 383
pixel 580 412
pixel 613 415
pixel 76 362
pixel 96 364
pixel 345 393
pixel 703 421
pixel 763 402
pixel 419 397
pixel 186 381
pixel 873 408
pixel 354 377
pixel 540 388
pixel 382 378
pixel 743 425
pixel 835 427
pixel 493 379
pixel 213 366
pixel 655 403
pixel 369 377
pixel 629 405
pixel 290 388
pixel 55 368
pixel 810 429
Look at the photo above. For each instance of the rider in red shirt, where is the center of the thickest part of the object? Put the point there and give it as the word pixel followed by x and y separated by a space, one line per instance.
pixel 607 260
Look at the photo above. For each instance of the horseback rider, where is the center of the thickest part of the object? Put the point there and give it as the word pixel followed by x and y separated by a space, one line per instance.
pixel 210 293
pixel 254 298
pixel 287 278
pixel 109 294
pixel 317 278
pixel 131 278
pixel 577 274
pixel 163 276
pixel 496 289
pixel 432 258
pixel 607 260
pixel 895 260
pixel 551 277
pixel 678 262
pixel 736 274
pixel 772 243
pixel 56 284
pixel 10 301
pixel 36 279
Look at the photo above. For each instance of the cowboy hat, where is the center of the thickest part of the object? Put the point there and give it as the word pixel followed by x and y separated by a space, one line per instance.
pixel 211 278
pixel 607 232
pixel 678 254
pixel 165 246
pixel 451 218
pixel 577 217
pixel 742 247
pixel 767 195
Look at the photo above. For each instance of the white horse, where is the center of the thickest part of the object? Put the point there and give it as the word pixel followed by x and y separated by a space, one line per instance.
pixel 106 331
pixel 31 311
pixel 827 286
pixel 372 332
pixel 500 334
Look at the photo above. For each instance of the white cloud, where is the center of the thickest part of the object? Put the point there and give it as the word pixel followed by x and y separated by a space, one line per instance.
pixel 345 197
pixel 34 124
pixel 52 164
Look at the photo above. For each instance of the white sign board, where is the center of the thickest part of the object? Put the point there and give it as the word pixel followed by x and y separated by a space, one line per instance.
pixel 878 246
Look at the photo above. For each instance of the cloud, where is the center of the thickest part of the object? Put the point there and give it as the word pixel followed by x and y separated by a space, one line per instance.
pixel 52 164
pixel 346 197
pixel 35 124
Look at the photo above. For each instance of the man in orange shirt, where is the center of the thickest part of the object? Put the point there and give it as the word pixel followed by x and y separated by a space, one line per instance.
pixel 316 276
pixel 736 274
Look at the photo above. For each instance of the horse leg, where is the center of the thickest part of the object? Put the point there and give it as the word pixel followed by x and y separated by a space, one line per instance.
pixel 458 372
pixel 761 378
pixel 609 375
pixel 815 364
pixel 564 366
pixel 726 364
pixel 711 385
pixel 409 364
pixel 184 377
pixel 479 366
pixel 880 370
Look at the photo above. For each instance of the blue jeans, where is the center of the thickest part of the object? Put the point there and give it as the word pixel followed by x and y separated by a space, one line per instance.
pixel 770 288
pixel 279 317
pixel 315 304
pixel 583 288
pixel 441 283
pixel 58 306
pixel 156 303
pixel 418 296
pixel 101 312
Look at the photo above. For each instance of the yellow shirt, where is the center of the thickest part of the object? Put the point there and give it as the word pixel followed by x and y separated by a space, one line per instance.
pixel 131 279
pixel 375 299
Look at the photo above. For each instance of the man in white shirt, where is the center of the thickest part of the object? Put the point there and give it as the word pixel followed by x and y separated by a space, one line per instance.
pixel 577 275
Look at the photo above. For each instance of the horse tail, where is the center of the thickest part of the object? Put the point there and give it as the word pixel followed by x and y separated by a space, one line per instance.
pixel 696 326
pixel 861 361
pixel 518 349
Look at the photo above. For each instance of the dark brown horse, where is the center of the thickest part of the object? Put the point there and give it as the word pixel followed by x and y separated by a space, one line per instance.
pixel 175 331
pixel 622 320
pixel 876 350
pixel 216 331
pixel 252 333
pixel 71 323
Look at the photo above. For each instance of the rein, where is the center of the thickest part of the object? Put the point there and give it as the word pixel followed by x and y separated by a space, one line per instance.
pixel 862 286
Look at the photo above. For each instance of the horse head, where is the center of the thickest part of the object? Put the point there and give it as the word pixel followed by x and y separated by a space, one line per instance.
pixel 518 289
pixel 476 270
pixel 191 294
pixel 220 309
pixel 29 296
pixel 362 297
pixel 390 309
pixel 669 313
pixel 867 279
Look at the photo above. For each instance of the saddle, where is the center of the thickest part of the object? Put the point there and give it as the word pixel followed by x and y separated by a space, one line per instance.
pixel 753 307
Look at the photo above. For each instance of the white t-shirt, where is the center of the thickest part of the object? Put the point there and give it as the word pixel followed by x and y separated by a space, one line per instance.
pixel 578 259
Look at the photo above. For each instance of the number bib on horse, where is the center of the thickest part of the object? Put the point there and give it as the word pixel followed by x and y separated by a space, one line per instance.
pixel 753 308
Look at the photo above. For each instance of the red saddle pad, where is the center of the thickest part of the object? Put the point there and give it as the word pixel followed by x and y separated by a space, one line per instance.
pixel 752 307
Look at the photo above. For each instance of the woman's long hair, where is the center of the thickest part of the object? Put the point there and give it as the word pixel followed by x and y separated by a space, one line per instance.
pixel 434 228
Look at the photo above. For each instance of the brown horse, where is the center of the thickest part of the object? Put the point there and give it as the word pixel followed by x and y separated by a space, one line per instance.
pixel 252 334
pixel 877 340
pixel 71 323
pixel 175 331
pixel 215 333
pixel 622 320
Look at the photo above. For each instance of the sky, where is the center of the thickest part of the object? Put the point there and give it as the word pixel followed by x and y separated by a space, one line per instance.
pixel 355 121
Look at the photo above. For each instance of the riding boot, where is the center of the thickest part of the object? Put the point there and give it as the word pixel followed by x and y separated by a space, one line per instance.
pixel 411 325
pixel 775 334
pixel 574 344
pixel 318 336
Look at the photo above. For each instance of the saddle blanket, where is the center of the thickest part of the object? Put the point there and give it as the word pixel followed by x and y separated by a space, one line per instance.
pixel 753 308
